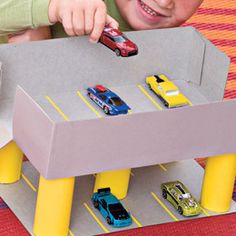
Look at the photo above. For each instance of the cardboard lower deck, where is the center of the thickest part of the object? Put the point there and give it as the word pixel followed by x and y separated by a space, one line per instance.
pixel 140 202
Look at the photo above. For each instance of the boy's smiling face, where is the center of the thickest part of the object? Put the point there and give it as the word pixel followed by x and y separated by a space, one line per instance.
pixel 155 14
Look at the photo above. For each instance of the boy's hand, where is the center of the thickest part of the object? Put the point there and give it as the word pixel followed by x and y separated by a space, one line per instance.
pixel 30 35
pixel 80 17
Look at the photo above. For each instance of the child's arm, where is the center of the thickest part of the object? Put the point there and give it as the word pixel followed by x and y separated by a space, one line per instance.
pixel 30 35
pixel 78 17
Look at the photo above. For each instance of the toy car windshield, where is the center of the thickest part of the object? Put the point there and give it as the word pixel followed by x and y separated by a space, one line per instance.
pixel 186 195
pixel 158 79
pixel 120 39
pixel 118 210
pixel 116 101
pixel 172 92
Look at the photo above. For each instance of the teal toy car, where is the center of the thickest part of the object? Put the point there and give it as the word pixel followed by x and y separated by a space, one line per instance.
pixel 180 197
pixel 111 208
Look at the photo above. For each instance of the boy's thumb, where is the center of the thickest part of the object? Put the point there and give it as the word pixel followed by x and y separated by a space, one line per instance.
pixel 111 22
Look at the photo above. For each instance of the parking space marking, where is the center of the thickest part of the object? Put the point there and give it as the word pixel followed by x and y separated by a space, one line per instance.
pixel 149 97
pixel 65 117
pixel 88 104
pixel 136 221
pixel 71 233
pixel 205 212
pixel 164 207
pixel 190 103
pixel 95 217
pixel 28 182
pixel 163 167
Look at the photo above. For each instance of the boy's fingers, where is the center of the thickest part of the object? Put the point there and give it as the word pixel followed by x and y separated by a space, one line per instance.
pixel 112 22
pixel 16 39
pixel 78 22
pixel 67 23
pixel 89 20
pixel 99 23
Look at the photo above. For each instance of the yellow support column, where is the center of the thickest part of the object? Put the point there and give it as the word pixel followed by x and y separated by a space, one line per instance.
pixel 10 163
pixel 53 207
pixel 218 182
pixel 117 180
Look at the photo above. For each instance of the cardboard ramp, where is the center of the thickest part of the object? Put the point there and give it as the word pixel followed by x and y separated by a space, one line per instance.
pixel 84 143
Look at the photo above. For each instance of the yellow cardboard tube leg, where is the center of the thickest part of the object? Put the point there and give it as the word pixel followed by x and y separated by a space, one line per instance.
pixel 117 180
pixel 10 163
pixel 218 182
pixel 53 207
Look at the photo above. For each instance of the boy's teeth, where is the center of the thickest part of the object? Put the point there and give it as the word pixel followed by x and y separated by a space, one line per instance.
pixel 147 9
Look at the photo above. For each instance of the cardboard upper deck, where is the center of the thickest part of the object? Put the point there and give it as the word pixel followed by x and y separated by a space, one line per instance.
pixel 85 144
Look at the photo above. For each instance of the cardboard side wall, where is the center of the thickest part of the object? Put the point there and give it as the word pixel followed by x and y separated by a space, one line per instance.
pixel 144 139
pixel 213 73
pixel 31 123
pixel 0 76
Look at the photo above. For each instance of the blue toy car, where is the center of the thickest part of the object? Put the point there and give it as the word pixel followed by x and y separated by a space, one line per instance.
pixel 107 100
pixel 111 208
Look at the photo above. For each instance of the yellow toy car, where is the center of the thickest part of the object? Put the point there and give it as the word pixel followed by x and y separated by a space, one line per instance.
pixel 167 91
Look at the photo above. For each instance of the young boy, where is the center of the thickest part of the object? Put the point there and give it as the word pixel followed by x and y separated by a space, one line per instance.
pixel 152 14
pixel 80 17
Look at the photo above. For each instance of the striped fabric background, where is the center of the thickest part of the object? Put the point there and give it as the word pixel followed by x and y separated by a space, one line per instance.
pixel 216 20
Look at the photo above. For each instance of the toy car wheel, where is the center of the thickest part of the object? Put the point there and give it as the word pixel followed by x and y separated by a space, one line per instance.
pixel 180 210
pixel 109 220
pixel 90 95
pixel 106 110
pixel 166 104
pixel 149 86
pixel 164 194
pixel 117 51
pixel 96 205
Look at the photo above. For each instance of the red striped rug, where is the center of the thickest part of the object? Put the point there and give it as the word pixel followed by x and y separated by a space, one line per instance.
pixel 9 223
pixel 223 225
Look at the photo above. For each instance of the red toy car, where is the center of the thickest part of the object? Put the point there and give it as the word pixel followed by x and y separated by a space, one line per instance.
pixel 118 42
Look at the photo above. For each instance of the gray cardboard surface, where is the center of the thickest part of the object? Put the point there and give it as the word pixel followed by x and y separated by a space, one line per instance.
pixel 0 76
pixel 6 107
pixel 60 65
pixel 58 68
